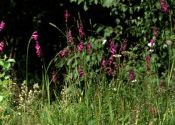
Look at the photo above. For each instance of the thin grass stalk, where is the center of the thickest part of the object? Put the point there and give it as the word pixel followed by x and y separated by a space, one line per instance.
pixel 27 59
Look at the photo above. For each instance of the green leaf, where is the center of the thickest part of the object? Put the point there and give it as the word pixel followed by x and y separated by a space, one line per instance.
pixel 108 3
pixel 1 98
pixel 11 60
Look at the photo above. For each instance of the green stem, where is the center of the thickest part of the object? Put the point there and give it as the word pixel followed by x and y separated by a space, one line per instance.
pixel 58 29
pixel 27 59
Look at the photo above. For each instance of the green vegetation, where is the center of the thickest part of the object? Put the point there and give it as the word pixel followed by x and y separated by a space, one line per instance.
pixel 116 74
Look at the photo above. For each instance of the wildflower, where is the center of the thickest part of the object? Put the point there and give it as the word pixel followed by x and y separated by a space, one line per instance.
pixel 2 45
pixel 131 75
pixel 169 42
pixel 109 71
pixel 38 49
pixel 103 63
pixel 148 61
pixel 164 6
pixel 2 25
pixel 81 30
pixel 63 53
pixel 66 15
pixel 151 50
pixel 117 56
pixel 69 37
pixel 81 72
pixel 110 61
pixel 151 43
pixel 80 47
pixel 35 36
pixel 88 47
pixel 123 45
pixel 113 47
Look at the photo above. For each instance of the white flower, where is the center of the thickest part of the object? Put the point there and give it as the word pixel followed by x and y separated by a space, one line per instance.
pixel 151 43
pixel 169 42
pixel 104 41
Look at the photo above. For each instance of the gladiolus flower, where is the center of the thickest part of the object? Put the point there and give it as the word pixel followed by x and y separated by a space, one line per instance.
pixel 69 37
pixel 66 15
pixel 81 72
pixel 63 53
pixel 88 47
pixel 151 43
pixel 35 36
pixel 109 71
pixel 80 47
pixel 38 49
pixel 2 25
pixel 113 47
pixel 2 46
pixel 131 75
pixel 81 30
pixel 110 61
pixel 123 45
pixel 164 6
pixel 103 63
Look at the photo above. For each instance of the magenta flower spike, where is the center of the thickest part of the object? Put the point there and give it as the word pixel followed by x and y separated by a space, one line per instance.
pixel 164 6
pixel 131 75
pixel 151 43
pixel 80 47
pixel 81 72
pixel 38 49
pixel 123 45
pixel 110 71
pixel 2 25
pixel 69 37
pixel 81 30
pixel 35 36
pixel 66 15
pixel 110 61
pixel 113 47
pixel 103 63
pixel 63 53
pixel 2 46
pixel 88 48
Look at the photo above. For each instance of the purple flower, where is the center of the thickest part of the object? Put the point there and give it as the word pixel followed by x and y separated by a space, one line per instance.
pixel 109 71
pixel 2 46
pixel 2 25
pixel 81 30
pixel 110 61
pixel 164 6
pixel 81 72
pixel 38 49
pixel 35 36
pixel 63 53
pixel 103 63
pixel 80 47
pixel 123 45
pixel 151 43
pixel 148 61
pixel 88 48
pixel 69 37
pixel 112 47
pixel 131 75
pixel 66 15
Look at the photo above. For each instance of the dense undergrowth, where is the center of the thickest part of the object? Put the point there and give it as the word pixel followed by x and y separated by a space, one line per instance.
pixel 105 75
